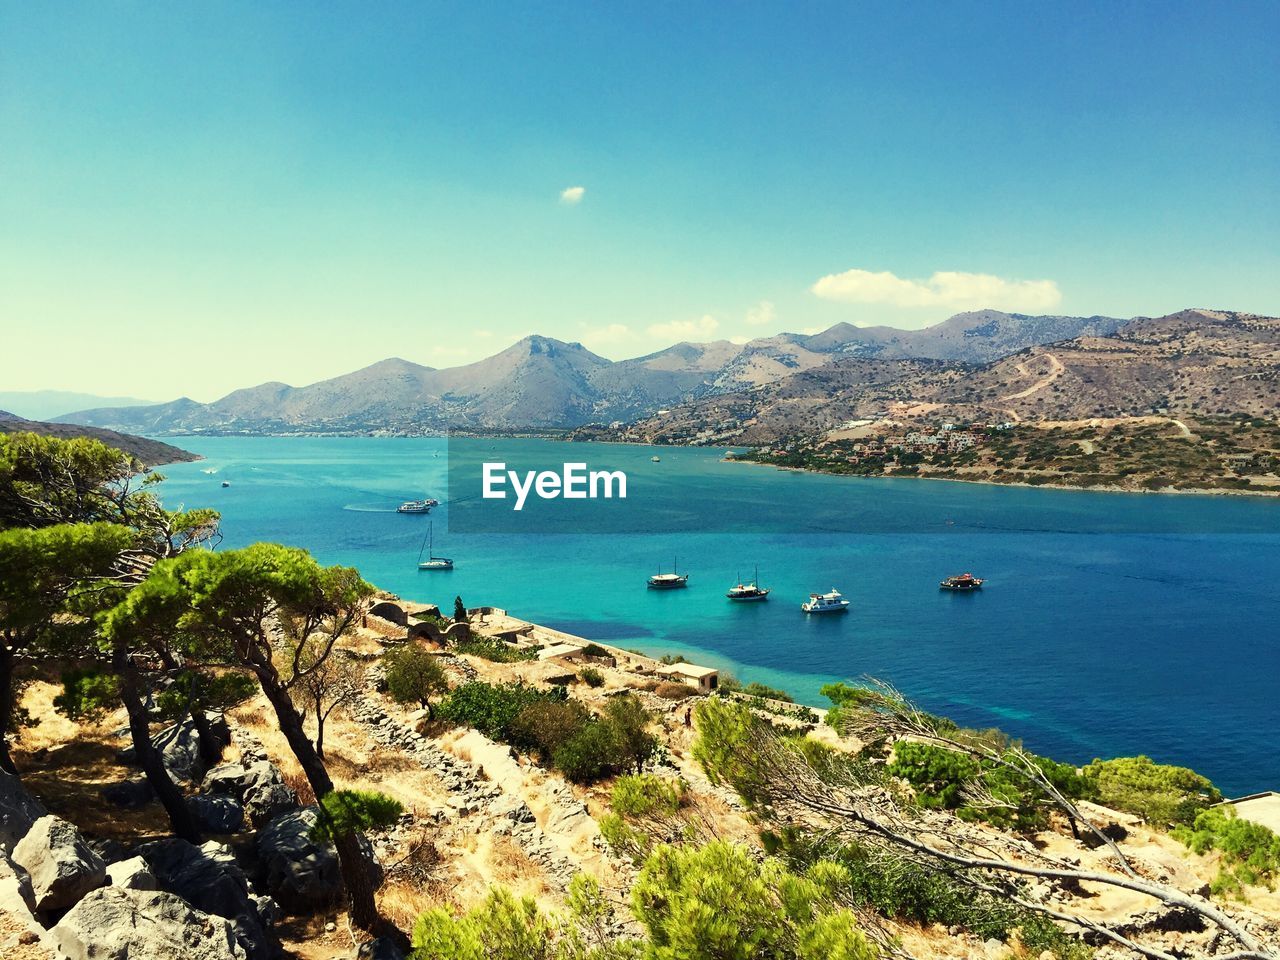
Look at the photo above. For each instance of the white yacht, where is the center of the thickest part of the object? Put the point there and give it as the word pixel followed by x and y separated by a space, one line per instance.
pixel 831 602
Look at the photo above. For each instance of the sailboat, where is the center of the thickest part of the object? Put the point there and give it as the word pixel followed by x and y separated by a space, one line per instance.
pixel 432 562
pixel 749 591
pixel 668 581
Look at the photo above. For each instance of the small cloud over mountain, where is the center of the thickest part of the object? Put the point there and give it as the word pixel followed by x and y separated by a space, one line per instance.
pixel 705 326
pixel 605 336
pixel 946 288
pixel 572 196
pixel 763 314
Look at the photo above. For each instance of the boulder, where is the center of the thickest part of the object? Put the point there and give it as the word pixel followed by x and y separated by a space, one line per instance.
pixel 63 868
pixel 266 795
pixel 217 814
pixel 301 874
pixel 259 786
pixel 179 747
pixel 18 811
pixel 228 778
pixel 383 948
pixel 115 923
pixel 132 874
pixel 209 879
pixel 16 894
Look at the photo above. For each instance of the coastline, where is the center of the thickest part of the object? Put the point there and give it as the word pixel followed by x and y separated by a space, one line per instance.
pixel 1096 488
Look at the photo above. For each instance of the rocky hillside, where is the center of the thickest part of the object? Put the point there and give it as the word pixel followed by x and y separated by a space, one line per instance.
pixel 540 382
pixel 87 870
pixel 1192 362
pixel 151 453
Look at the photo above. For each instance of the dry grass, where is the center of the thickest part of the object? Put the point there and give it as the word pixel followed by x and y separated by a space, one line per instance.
pixel 297 781
pixel 66 765
pixel 508 862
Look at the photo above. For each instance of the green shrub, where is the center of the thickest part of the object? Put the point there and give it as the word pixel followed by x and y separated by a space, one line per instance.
pixel 1250 851
pixel 755 689
pixel 644 794
pixel 595 650
pixel 902 889
pixel 414 675
pixel 717 902
pixel 616 742
pixel 495 651
pixel 591 677
pixel 547 724
pixel 938 775
pixel 354 811
pixel 941 778
pixel 493 709
pixel 590 755
pixel 1159 793
pixel 87 693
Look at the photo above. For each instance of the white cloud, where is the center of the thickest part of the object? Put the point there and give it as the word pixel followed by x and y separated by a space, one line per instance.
pixel 762 314
pixel 674 330
pixel 572 195
pixel 946 288
pixel 605 336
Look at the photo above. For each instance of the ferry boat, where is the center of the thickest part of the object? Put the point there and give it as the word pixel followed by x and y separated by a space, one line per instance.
pixel 432 562
pixel 962 583
pixel 417 506
pixel 668 581
pixel 749 591
pixel 831 602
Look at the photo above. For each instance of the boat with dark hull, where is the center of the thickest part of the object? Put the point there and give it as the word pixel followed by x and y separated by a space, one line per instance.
pixel 962 583
pixel 668 581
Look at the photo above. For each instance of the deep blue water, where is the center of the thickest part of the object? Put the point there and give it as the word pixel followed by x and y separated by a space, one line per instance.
pixel 1112 624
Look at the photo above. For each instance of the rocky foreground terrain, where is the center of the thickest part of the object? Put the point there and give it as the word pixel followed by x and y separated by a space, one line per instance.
pixel 88 870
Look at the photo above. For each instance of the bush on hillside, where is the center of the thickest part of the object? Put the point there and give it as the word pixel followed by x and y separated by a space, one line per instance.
pixel 495 651
pixel 548 724
pixel 493 709
pixel 1250 851
pixel 591 677
pixel 1161 794
pixel 675 691
pixel 414 675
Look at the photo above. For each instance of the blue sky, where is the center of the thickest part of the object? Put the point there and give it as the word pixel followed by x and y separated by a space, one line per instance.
pixel 197 199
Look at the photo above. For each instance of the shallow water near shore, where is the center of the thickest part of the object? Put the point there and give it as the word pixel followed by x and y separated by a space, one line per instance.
pixel 1111 624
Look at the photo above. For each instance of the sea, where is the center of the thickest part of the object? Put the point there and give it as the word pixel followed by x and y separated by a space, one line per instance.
pixel 1111 624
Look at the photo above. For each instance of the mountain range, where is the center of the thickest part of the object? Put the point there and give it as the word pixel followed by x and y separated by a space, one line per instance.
pixel 1191 363
pixel 542 383
pixel 47 404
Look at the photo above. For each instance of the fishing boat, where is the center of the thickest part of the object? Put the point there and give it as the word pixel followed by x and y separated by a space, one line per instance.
pixel 743 592
pixel 656 459
pixel 964 583
pixel 417 506
pixel 226 483
pixel 668 581
pixel 831 602
pixel 432 562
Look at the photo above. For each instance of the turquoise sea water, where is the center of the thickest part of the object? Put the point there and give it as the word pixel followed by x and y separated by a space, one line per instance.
pixel 1111 624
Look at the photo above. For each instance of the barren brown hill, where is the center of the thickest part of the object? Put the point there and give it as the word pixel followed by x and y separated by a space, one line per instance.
pixel 1193 362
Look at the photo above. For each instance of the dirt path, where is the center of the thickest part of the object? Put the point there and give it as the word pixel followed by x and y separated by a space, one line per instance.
pixel 1055 370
